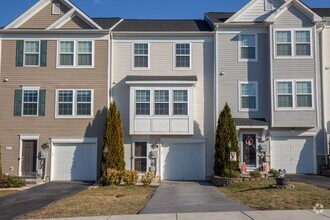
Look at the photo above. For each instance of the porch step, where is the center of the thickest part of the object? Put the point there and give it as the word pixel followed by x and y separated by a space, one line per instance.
pixel 325 172
pixel 32 180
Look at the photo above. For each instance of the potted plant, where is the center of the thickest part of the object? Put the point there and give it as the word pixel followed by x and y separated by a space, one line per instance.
pixel 280 178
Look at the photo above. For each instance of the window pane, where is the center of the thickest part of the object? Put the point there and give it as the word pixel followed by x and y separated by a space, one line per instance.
pixel 183 49
pixel 32 46
pixel 85 59
pixel 303 37
pixel 180 95
pixel 30 102
pixel 140 164
pixel 284 50
pixel 85 47
pixel 283 36
pixel 141 49
pixel 65 109
pixel 248 89
pixel 248 40
pixel 66 59
pixel 142 96
pixel 32 59
pixel 142 108
pixel 161 108
pixel 84 96
pixel 161 96
pixel 284 88
pixel 248 52
pixel 66 46
pixel 304 100
pixel 140 149
pixel 284 101
pixel 30 108
pixel 304 87
pixel 249 102
pixel 180 109
pixel 141 61
pixel 182 61
pixel 303 50
pixel 30 96
pixel 84 109
pixel 65 96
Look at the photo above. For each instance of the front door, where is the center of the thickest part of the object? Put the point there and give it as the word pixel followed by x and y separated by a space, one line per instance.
pixel 249 151
pixel 29 157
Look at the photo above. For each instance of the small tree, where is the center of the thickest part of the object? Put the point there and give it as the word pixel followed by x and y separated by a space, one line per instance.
pixel 225 133
pixel 113 140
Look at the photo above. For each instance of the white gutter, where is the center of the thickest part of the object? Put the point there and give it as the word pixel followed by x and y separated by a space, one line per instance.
pixel 316 78
pixel 216 77
pixel 271 76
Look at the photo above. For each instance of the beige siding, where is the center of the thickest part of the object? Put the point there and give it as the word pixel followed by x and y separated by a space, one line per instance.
pixel 326 59
pixel 293 17
pixel 76 23
pixel 44 18
pixel 50 79
pixel 161 63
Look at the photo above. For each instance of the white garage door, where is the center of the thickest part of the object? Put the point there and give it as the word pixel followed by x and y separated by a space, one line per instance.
pixel 183 161
pixel 293 154
pixel 74 162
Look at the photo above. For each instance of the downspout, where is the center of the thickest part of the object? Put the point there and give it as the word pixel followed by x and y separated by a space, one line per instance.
pixel 109 69
pixel 216 77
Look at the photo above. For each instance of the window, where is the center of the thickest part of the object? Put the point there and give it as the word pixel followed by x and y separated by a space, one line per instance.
pixel 295 94
pixel 180 102
pixel 142 99
pixel 293 43
pixel 76 54
pixel 141 55
pixel 56 9
pixel 74 103
pixel 248 47
pixel 140 156
pixel 31 53
pixel 248 95
pixel 30 101
pixel 182 55
pixel 161 102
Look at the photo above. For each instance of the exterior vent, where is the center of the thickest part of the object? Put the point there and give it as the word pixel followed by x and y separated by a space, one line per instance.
pixel 56 9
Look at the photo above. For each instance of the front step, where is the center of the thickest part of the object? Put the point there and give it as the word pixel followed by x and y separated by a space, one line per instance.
pixel 32 180
pixel 325 172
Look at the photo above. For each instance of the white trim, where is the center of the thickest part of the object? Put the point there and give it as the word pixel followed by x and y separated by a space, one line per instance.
pixel 133 56
pixel 317 86
pixel 89 140
pixel 292 133
pixel 270 30
pixel 114 26
pixel 256 48
pixel 293 43
pixel 241 11
pixel 63 20
pixel 146 157
pixel 164 40
pixel 240 83
pixel 161 82
pixel 32 88
pixel 75 55
pixel 56 6
pixel 175 55
pixel 23 137
pixel 57 37
pixel 74 104
pixel 252 127
pixel 39 53
pixel 251 132
pixel 183 140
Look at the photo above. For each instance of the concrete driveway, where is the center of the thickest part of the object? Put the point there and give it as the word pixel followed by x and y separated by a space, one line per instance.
pixel 320 181
pixel 17 204
pixel 184 197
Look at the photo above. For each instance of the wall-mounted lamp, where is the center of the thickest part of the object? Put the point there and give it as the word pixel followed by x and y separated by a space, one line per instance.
pixel 5 80
pixel 222 73
pixel 47 144
pixel 326 67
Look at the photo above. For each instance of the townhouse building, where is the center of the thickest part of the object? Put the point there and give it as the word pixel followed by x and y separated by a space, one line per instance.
pixel 60 70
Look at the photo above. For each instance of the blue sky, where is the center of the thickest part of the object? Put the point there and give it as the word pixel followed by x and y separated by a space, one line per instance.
pixel 148 9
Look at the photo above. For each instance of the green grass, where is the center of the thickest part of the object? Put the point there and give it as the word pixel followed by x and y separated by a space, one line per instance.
pixel 258 195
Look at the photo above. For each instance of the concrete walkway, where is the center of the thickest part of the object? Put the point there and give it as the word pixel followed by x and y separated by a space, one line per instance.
pixel 187 197
pixel 244 215
pixel 320 181
pixel 14 205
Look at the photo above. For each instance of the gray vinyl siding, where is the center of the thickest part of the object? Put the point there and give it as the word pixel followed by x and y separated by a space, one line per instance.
pixel 235 71
pixel 295 69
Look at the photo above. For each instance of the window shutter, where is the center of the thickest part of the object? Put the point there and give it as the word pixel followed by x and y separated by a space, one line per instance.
pixel 43 53
pixel 42 102
pixel 18 103
pixel 19 52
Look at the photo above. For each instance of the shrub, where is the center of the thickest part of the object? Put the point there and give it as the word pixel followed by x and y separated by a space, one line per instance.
pixel 112 177
pixel 255 174
pixel 130 177
pixel 274 173
pixel 234 174
pixel 13 181
pixel 147 178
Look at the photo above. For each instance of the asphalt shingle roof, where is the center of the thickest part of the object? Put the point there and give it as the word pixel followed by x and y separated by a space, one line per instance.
pixel 219 17
pixel 106 23
pixel 323 12
pixel 250 122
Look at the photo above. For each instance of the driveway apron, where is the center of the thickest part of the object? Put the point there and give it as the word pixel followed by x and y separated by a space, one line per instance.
pixel 14 205
pixel 184 197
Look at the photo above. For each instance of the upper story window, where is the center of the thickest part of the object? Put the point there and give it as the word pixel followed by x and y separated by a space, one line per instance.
pixel 79 54
pixel 56 9
pixel 142 99
pixel 162 102
pixel 31 53
pixel 30 101
pixel 180 102
pixel 293 43
pixel 74 103
pixel 248 96
pixel 141 55
pixel 294 94
pixel 248 47
pixel 183 56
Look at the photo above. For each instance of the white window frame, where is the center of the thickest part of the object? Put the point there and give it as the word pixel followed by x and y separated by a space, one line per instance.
pixel 241 109
pixel 294 95
pixel 168 102
pixel 150 102
pixel 32 88
pixel 181 102
pixel 56 8
pixel 75 55
pixel 147 153
pixel 312 94
pixel 240 59
pixel 175 55
pixel 133 56
pixel 293 43
pixel 32 40
pixel 74 102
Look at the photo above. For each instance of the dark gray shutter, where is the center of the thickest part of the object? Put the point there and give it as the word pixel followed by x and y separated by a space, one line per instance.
pixel 19 52
pixel 18 103
pixel 43 53
pixel 42 102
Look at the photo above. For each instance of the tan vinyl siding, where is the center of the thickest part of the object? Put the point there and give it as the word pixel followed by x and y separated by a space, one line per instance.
pixel 326 58
pixel 50 79
pixel 44 18
pixel 161 63
pixel 76 23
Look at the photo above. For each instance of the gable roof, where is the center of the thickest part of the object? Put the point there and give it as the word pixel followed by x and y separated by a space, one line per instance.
pixel 140 25
pixel 219 17
pixel 323 12
pixel 106 23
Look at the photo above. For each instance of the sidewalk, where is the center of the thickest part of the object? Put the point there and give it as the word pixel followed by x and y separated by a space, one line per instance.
pixel 245 215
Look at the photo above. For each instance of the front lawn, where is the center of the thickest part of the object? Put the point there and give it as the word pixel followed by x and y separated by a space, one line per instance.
pixel 258 195
pixel 109 200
